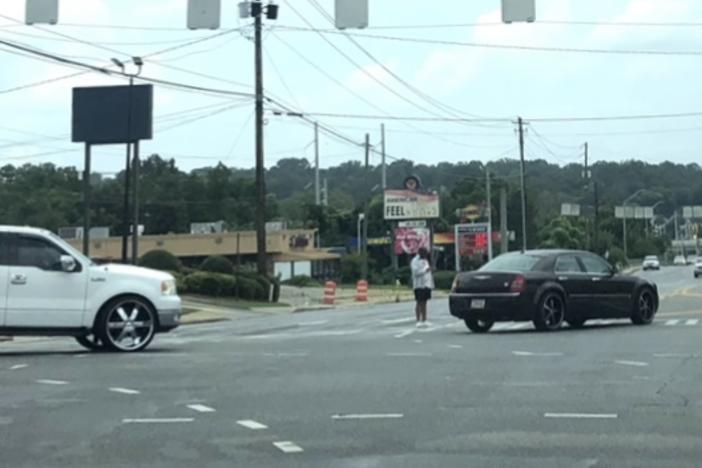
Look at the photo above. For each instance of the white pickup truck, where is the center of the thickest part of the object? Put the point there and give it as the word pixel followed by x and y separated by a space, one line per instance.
pixel 48 288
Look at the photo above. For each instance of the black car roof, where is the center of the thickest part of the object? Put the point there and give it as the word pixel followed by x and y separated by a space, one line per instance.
pixel 550 252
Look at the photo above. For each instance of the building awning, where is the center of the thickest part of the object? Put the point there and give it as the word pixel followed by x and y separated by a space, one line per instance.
pixel 306 256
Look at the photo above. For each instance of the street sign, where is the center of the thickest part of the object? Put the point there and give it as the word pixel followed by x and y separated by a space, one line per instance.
pixel 351 14
pixel 406 204
pixel 633 212
pixel 690 212
pixel 570 209
pixel 204 14
pixel 412 224
pixel 514 11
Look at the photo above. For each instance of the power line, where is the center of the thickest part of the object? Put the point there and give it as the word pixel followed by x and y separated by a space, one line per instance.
pixel 478 45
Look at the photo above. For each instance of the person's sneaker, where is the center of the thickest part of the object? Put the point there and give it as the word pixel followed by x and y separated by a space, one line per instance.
pixel 419 325
pixel 427 324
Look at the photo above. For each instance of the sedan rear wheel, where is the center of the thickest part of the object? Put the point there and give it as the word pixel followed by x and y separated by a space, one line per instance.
pixel 127 324
pixel 479 325
pixel 644 308
pixel 550 313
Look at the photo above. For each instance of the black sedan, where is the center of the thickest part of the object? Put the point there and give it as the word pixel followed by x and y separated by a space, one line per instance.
pixel 550 287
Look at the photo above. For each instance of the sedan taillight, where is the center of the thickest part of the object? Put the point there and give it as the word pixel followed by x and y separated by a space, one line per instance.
pixel 518 284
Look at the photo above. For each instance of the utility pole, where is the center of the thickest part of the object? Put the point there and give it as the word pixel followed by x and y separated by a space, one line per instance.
pixel 261 257
pixel 384 183
pixel 317 195
pixel 127 177
pixel 586 176
pixel 503 221
pixel 325 200
pixel 364 236
pixel 135 203
pixel 489 211
pixel 86 201
pixel 523 188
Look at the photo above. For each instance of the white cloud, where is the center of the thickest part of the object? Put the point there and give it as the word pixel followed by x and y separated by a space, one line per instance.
pixel 364 79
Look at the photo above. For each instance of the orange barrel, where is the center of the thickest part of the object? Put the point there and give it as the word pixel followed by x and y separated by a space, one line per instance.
pixel 329 292
pixel 362 291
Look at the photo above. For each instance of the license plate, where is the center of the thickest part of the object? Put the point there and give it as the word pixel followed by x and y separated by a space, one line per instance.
pixel 477 304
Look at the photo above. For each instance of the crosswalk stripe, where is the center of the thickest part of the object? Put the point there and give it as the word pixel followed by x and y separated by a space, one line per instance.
pixel 672 322
pixel 692 322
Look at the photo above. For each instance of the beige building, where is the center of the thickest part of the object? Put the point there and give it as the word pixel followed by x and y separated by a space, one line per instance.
pixel 291 252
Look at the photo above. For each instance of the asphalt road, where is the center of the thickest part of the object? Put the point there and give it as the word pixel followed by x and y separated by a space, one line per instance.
pixel 362 387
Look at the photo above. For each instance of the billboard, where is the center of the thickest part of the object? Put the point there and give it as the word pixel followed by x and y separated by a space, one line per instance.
pixel 407 204
pixel 101 115
pixel 410 240
pixel 472 239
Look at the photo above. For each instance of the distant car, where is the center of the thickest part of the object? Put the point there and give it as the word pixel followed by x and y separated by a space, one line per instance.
pixel 698 267
pixel 550 287
pixel 651 262
pixel 679 260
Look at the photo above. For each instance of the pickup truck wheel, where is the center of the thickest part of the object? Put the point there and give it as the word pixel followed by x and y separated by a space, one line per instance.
pixel 126 324
pixel 90 342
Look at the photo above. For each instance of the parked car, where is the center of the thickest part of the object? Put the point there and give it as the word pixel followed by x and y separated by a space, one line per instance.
pixel 49 288
pixel 651 262
pixel 679 260
pixel 550 287
pixel 698 267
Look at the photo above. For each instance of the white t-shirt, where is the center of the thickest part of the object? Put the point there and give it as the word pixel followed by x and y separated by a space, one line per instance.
pixel 421 273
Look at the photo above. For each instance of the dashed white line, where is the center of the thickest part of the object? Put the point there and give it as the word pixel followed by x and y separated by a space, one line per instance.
pixel 582 415
pixel 529 353
pixel 52 382
pixel 692 322
pixel 632 363
pixel 368 416
pixel 251 424
pixel 18 366
pixel 418 341
pixel 672 322
pixel 201 408
pixel 455 346
pixel 156 420
pixel 409 354
pixel 400 320
pixel 671 355
pixel 404 333
pixel 126 391
pixel 315 322
pixel 288 447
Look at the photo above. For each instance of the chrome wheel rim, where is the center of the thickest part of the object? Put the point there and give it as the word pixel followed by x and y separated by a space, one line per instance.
pixel 553 311
pixel 130 325
pixel 646 306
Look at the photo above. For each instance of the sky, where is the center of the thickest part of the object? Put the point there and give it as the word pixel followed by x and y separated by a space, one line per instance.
pixel 322 73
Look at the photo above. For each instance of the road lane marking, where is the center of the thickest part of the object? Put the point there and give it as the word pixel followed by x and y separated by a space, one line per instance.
pixel 582 415
pixel 52 382
pixel 315 322
pixel 286 354
pixel 672 322
pixel 529 353
pixel 672 355
pixel 156 420
pixel 18 366
pixel 692 322
pixel 409 354
pixel 201 408
pixel 339 417
pixel 126 391
pixel 418 341
pixel 288 447
pixel 400 320
pixel 251 424
pixel 632 363
pixel 455 346
pixel 405 333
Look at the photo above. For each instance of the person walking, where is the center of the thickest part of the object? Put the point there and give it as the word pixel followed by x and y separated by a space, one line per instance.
pixel 423 283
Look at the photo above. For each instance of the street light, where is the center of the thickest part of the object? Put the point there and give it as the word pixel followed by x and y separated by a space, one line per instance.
pixel 624 204
pixel 139 62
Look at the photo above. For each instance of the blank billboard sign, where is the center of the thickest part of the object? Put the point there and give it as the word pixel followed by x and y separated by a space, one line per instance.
pixel 101 114
pixel 351 14
pixel 517 11
pixel 42 12
pixel 204 14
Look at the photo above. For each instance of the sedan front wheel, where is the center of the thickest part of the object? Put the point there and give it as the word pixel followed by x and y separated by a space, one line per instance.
pixel 644 308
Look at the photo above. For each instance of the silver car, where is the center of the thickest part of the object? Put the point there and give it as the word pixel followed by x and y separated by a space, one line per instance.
pixel 651 262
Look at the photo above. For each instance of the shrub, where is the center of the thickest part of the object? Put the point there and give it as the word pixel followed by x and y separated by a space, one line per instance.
pixel 301 281
pixel 250 289
pixel 217 264
pixel 264 284
pixel 444 279
pixel 211 284
pixel 160 260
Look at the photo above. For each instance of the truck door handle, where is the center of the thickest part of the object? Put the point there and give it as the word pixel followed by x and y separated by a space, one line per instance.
pixel 18 278
pixel 562 278
pixel 596 278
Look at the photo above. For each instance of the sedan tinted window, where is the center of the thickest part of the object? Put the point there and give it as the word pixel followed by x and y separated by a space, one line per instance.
pixel 512 262
pixel 595 265
pixel 567 264
pixel 4 250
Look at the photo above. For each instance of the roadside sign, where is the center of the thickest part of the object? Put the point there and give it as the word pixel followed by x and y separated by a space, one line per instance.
pixel 514 11
pixel 472 239
pixel 570 209
pixel 351 14
pixel 406 204
pixel 412 224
